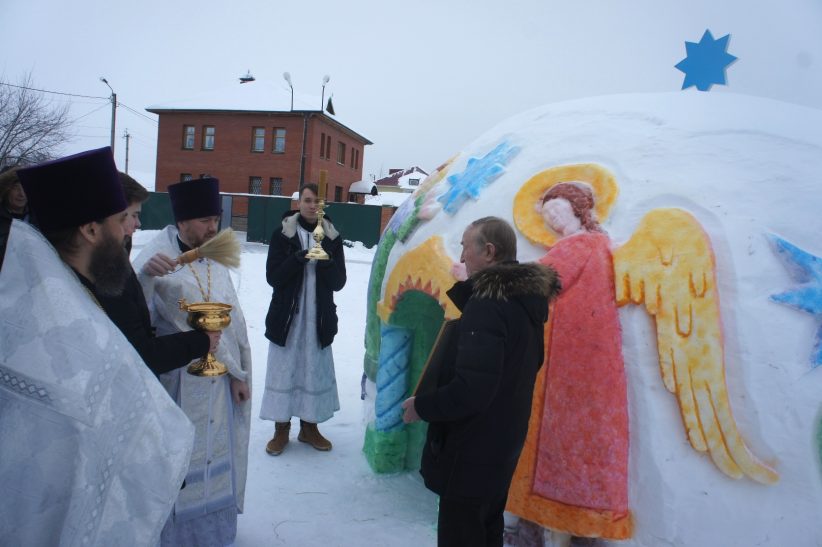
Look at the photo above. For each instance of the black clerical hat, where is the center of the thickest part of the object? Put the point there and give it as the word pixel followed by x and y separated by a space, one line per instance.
pixel 74 190
pixel 196 198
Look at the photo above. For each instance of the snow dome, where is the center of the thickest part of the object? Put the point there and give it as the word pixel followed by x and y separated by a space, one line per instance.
pixel 711 205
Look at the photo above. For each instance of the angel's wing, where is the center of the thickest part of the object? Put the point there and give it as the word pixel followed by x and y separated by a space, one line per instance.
pixel 668 265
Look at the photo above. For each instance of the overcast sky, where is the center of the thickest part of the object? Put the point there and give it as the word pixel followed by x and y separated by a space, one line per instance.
pixel 421 79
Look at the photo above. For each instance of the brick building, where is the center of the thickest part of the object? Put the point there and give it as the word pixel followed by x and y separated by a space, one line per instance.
pixel 254 142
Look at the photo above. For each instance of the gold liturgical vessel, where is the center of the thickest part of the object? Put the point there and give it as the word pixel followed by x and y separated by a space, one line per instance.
pixel 317 251
pixel 210 317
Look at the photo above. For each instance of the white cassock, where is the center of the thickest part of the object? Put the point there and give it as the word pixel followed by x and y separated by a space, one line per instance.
pixel 92 449
pixel 206 510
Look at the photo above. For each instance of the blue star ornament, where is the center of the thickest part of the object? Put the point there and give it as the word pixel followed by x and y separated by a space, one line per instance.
pixel 478 174
pixel 705 63
pixel 806 269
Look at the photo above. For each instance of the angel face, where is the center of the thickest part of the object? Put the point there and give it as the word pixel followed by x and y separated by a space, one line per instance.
pixel 559 216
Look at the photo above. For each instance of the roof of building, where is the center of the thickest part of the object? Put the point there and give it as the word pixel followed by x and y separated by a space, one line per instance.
pixel 253 97
pixel 362 187
pixel 394 178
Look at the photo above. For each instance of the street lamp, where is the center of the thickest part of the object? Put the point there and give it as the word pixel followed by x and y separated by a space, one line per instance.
pixel 113 111
pixel 326 79
pixel 287 78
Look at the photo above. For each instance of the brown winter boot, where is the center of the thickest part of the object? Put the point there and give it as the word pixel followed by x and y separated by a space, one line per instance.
pixel 276 445
pixel 311 435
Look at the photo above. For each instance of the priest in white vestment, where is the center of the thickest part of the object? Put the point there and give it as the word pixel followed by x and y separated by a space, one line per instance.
pixel 206 511
pixel 92 449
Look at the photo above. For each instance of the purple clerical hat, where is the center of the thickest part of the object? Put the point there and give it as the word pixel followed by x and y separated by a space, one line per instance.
pixel 196 198
pixel 74 190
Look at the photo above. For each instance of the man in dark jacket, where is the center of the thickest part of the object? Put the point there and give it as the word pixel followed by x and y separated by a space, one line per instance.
pixel 13 205
pixel 129 310
pixel 478 414
pixel 301 324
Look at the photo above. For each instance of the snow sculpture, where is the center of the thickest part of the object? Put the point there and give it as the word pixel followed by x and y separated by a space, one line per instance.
pixel 696 175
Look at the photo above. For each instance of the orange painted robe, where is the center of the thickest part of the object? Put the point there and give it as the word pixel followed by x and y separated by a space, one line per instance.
pixel 573 473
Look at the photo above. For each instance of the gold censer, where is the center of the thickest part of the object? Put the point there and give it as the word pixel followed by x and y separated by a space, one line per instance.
pixel 208 317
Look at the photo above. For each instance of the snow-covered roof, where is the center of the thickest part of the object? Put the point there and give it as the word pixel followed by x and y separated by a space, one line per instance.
pixel 256 96
pixel 401 177
pixel 361 187
pixel 252 96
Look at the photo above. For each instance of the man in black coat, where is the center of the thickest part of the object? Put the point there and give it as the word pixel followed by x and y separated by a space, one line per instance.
pixel 478 414
pixel 129 311
pixel 301 325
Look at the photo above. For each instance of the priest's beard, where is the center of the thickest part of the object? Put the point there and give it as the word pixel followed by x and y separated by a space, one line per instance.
pixel 110 267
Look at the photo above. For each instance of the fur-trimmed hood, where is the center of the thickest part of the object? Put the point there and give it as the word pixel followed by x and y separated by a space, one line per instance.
pixel 533 285
pixel 290 223
pixel 510 279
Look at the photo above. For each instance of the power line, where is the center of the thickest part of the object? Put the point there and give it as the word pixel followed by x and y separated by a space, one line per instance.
pixel 75 120
pixel 54 92
pixel 120 103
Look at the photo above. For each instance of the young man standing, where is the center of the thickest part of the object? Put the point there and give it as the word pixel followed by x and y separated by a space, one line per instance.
pixel 301 324
pixel 129 310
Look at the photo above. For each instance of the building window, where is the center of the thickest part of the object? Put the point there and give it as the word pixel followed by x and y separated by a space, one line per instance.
pixel 338 193
pixel 328 147
pixel 322 145
pixel 208 137
pixel 357 160
pixel 258 139
pixel 188 137
pixel 255 185
pixel 341 153
pixel 276 186
pixel 279 140
pixel 352 158
pixel 413 182
pixel 185 176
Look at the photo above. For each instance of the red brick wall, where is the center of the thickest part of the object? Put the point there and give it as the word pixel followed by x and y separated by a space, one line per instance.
pixel 233 162
pixel 385 215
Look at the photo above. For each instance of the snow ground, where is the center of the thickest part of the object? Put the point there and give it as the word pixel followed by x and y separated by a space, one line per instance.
pixel 309 498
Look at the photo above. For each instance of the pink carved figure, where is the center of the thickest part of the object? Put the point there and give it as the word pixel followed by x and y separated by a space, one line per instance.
pixel 583 439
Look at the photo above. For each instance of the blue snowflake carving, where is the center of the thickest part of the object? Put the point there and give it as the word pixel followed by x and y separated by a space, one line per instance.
pixel 478 174
pixel 806 269
pixel 705 62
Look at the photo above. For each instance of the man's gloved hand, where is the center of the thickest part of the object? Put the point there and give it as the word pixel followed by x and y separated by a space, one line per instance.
pixel 325 263
pixel 300 256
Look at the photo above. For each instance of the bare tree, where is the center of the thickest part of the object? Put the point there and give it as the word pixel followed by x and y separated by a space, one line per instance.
pixel 31 127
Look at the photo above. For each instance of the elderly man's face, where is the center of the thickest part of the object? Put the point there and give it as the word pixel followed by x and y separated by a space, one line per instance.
pixel 197 231
pixel 475 256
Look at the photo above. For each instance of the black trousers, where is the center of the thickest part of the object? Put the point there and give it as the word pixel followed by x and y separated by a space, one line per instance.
pixel 471 523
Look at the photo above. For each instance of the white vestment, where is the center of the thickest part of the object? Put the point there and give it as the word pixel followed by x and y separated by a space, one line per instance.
pixel 300 379
pixel 92 449
pixel 215 483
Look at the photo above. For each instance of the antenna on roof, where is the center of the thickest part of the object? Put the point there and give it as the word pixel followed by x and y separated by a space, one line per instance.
pixel 247 78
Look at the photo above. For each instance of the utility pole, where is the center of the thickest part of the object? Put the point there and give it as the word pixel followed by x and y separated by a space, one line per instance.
pixel 113 111
pixel 127 137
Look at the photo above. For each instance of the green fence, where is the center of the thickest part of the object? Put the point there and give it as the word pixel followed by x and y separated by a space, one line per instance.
pixel 354 221
pixel 156 213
